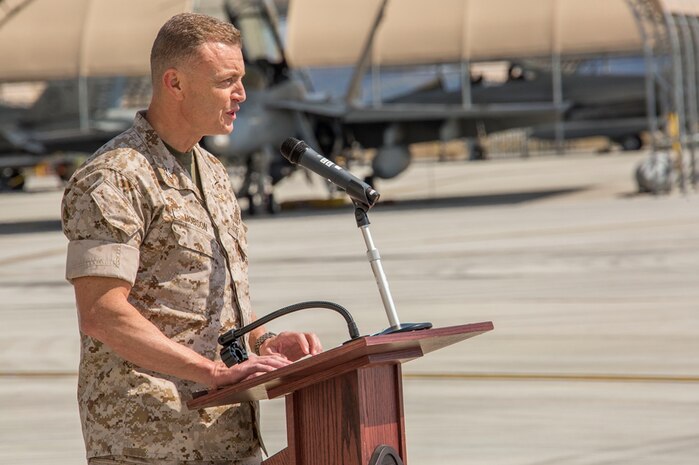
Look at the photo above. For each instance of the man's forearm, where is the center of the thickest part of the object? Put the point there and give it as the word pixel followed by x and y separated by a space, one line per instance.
pixel 137 340
pixel 105 314
pixel 112 320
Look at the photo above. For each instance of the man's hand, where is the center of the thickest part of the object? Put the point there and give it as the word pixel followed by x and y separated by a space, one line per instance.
pixel 252 367
pixel 292 345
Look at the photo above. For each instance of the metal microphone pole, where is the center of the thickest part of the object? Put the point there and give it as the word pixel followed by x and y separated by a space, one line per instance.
pixel 360 215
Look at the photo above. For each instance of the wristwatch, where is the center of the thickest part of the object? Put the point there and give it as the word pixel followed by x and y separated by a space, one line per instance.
pixel 260 340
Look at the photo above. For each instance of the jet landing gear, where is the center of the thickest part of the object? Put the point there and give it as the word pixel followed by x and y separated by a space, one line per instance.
pixel 631 142
pixel 11 179
pixel 257 186
pixel 258 183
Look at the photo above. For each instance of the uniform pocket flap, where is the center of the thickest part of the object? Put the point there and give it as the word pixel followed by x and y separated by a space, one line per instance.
pixel 241 244
pixel 115 209
pixel 194 239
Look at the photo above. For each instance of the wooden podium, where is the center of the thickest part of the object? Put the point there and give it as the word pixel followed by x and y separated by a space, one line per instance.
pixel 343 403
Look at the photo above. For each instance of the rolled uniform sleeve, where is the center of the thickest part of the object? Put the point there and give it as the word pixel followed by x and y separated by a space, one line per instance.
pixel 103 218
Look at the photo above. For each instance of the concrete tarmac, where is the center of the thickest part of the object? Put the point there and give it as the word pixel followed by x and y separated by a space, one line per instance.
pixel 592 288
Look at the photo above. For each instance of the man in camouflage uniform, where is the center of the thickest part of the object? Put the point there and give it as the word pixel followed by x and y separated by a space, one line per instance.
pixel 157 257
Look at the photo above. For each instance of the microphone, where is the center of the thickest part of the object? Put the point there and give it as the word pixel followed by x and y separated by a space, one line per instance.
pixel 298 152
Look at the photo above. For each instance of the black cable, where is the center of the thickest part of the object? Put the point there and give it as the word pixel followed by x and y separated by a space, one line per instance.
pixel 232 335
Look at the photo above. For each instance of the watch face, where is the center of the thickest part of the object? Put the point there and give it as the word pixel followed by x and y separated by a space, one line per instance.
pixel 385 455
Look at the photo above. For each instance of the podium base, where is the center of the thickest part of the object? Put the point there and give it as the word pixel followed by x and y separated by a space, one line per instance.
pixel 404 328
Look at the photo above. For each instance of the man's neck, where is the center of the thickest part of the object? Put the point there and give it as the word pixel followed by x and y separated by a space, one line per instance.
pixel 171 128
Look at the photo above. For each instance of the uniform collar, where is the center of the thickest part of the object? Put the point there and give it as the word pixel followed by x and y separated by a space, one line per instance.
pixel 166 165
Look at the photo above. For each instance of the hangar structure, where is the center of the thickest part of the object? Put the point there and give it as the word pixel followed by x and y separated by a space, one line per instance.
pixel 375 33
pixel 87 38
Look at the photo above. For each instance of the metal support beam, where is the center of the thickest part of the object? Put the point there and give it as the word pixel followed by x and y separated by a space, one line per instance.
pixel 364 58
pixel 466 99
pixel 558 102
pixel 678 87
pixel 557 80
pixel 376 100
pixel 690 77
pixel 693 22
pixel 657 28
pixel 650 70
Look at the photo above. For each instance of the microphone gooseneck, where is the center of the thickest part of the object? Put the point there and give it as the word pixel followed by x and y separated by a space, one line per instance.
pixel 233 350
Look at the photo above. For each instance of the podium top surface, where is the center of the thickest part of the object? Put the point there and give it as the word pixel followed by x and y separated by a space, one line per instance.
pixel 359 352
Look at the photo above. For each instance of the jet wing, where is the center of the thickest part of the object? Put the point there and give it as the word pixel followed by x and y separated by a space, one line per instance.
pixel 324 109
pixel 406 112
pixel 14 139
pixel 426 112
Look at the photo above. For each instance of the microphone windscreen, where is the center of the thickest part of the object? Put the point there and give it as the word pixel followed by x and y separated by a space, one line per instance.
pixel 292 149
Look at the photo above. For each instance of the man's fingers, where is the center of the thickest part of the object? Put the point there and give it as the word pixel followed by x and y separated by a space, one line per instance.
pixel 303 343
pixel 254 375
pixel 295 345
pixel 276 360
pixel 254 366
pixel 268 362
pixel 264 364
pixel 314 345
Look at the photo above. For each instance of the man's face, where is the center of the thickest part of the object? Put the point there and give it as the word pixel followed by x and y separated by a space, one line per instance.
pixel 214 89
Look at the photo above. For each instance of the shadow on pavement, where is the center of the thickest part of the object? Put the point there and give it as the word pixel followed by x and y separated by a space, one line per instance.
pixel 309 209
pixel 29 227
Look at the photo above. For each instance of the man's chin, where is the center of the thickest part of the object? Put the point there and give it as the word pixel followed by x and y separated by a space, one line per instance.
pixel 223 130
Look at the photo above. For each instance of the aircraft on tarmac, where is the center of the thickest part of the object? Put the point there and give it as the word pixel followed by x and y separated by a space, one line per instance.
pixel 609 105
pixel 86 63
pixel 280 105
pixel 50 128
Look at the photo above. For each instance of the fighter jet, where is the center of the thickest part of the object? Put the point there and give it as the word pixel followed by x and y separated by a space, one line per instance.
pixel 50 128
pixel 280 104
pixel 608 105
pixel 83 51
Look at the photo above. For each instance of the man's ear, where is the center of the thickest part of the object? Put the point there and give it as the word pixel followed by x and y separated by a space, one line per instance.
pixel 172 83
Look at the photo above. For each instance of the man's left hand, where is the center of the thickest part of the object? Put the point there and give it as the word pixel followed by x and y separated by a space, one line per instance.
pixel 292 345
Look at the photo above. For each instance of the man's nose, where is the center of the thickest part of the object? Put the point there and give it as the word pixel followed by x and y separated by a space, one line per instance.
pixel 238 94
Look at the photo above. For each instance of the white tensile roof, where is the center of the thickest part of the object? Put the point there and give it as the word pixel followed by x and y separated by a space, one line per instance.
pixel 333 32
pixel 42 39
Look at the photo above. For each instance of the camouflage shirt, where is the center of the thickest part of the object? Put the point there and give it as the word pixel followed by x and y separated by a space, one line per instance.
pixel 131 212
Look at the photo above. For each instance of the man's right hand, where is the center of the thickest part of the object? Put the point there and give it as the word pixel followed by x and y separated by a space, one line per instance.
pixel 252 367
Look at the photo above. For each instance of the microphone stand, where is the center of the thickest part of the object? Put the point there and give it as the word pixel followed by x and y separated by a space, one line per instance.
pixel 360 215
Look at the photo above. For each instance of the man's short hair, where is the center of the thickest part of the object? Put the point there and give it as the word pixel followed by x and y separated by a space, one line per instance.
pixel 180 37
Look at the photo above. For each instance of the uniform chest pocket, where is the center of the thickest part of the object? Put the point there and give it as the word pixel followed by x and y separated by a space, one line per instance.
pixel 194 239
pixel 193 274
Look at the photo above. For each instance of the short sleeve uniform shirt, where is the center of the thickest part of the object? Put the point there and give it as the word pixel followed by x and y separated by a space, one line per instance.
pixel 132 212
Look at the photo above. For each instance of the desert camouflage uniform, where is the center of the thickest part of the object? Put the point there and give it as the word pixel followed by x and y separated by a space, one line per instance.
pixel 132 212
